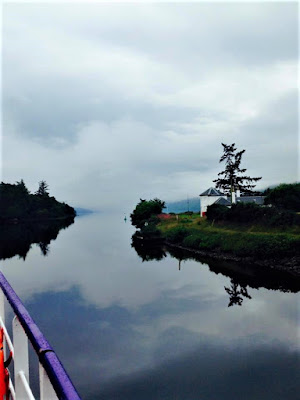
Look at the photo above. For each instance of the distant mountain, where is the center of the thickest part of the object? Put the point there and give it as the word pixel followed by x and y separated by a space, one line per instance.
pixel 83 211
pixel 181 206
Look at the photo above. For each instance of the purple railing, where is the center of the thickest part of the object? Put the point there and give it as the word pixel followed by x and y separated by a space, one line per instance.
pixel 57 375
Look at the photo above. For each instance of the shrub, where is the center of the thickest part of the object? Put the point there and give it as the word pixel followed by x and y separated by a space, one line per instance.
pixel 217 212
pixel 249 213
pixel 176 235
pixel 192 241
pixel 150 231
pixel 285 196
pixel 144 210
pixel 210 241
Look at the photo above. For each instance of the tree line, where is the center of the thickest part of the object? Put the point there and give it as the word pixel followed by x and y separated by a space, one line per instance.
pixel 17 203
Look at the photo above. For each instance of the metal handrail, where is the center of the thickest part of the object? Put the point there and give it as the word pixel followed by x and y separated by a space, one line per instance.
pixel 58 377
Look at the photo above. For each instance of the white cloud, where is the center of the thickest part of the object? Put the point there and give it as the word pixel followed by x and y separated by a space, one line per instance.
pixel 137 99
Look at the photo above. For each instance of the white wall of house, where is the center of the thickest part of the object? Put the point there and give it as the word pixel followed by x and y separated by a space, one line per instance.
pixel 206 201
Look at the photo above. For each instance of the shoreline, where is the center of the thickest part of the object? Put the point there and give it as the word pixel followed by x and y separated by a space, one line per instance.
pixel 16 221
pixel 290 265
pixel 262 247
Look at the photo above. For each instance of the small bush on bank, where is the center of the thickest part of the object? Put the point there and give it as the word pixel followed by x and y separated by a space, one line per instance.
pixel 217 212
pixel 145 210
pixel 193 241
pixel 150 231
pixel 176 235
pixel 262 246
pixel 203 241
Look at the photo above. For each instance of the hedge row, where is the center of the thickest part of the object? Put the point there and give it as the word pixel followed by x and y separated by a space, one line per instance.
pixel 249 213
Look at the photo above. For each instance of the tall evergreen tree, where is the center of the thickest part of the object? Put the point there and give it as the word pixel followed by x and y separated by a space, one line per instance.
pixel 233 178
pixel 21 185
pixel 43 189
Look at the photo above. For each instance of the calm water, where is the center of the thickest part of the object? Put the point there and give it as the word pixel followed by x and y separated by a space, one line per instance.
pixel 177 328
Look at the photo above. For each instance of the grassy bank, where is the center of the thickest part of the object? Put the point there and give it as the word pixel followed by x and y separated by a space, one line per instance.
pixel 255 241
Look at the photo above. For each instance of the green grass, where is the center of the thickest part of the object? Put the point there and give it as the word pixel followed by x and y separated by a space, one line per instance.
pixel 241 240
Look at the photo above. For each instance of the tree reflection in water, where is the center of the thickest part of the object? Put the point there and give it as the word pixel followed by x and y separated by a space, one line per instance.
pixel 242 276
pixel 236 293
pixel 147 250
pixel 44 248
pixel 17 239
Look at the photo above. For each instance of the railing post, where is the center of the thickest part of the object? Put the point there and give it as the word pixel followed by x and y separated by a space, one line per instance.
pixel 54 381
pixel 46 389
pixel 2 314
pixel 2 307
pixel 21 361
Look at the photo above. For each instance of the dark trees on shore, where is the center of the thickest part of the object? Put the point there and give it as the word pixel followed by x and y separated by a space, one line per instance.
pixel 43 189
pixel 145 210
pixel 17 203
pixel 284 196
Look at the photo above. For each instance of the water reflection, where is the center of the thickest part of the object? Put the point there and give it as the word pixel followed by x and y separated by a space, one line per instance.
pixel 17 239
pixel 242 275
pixel 236 293
pixel 114 354
pixel 146 252
pixel 128 329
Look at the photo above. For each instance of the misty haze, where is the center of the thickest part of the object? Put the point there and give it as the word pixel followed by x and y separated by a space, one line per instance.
pixel 108 108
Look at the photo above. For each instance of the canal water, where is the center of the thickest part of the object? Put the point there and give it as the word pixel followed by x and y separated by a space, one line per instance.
pixel 155 324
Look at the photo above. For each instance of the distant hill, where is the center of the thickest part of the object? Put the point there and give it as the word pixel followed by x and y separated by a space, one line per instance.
pixel 181 206
pixel 83 211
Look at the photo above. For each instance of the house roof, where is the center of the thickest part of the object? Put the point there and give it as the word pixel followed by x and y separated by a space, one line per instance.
pixel 222 202
pixel 211 192
pixel 251 199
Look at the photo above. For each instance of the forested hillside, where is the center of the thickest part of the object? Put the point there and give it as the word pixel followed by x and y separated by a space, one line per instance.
pixel 18 204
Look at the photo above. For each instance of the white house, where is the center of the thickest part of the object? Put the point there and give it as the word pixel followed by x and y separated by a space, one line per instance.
pixel 211 196
pixel 214 196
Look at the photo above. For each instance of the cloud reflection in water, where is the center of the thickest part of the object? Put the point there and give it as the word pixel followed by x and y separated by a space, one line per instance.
pixel 128 329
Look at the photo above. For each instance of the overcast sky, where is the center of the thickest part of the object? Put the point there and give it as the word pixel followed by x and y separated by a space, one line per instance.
pixel 112 102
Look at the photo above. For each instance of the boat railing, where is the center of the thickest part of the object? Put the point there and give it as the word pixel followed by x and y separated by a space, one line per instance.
pixel 54 381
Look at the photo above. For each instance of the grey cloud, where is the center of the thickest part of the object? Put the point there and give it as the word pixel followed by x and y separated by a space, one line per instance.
pixel 262 37
pixel 199 35
pixel 246 32
pixel 194 38
pixel 141 96
pixel 278 147
pixel 60 114
pixel 279 118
